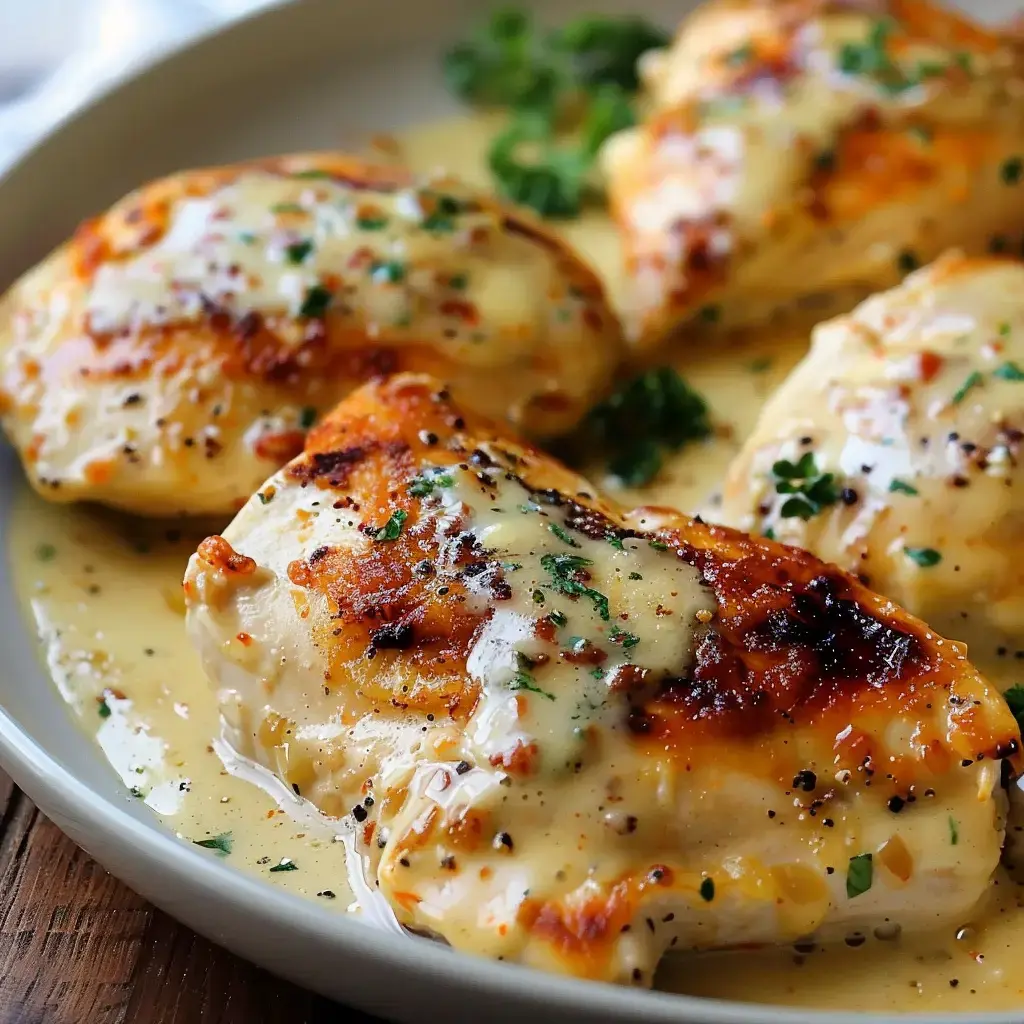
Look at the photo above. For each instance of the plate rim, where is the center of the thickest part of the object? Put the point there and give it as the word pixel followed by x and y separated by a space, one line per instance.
pixel 61 795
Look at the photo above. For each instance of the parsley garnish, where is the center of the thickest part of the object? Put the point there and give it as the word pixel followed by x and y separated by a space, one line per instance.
pixel 954 831
pixel 371 222
pixel 1014 698
pixel 859 875
pixel 298 251
pixel 221 843
pixel 286 864
pixel 393 527
pixel 557 618
pixel 312 173
pixel 563 570
pixel 307 416
pixel 421 486
pixel 316 302
pixel 655 411
pixel 812 492
pixel 45 552
pixel 973 380
pixel 625 639
pixel 901 487
pixel 387 271
pixel 1008 371
pixel 924 557
pixel 562 534
pixel 871 59
pixel 585 71
pixel 287 208
pixel 1012 171
pixel 265 499
pixel 635 576
pixel 103 708
pixel 523 680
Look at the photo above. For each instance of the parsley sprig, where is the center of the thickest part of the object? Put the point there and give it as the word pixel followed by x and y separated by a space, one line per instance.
pixel 811 491
pixel 567 576
pixel 580 76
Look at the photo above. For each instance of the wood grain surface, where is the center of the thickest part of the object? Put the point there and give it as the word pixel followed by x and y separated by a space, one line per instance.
pixel 78 947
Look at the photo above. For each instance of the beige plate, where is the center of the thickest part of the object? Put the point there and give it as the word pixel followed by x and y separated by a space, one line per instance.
pixel 309 75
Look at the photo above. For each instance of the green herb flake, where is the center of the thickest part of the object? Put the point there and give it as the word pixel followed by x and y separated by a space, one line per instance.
pixel 741 56
pixel 392 529
pixel 954 831
pixel 707 890
pixel 137 793
pixel 265 499
pixel 769 534
pixel 246 238
pixel 423 485
pixel 1009 371
pixel 316 302
pixel 557 618
pixel 1005 330
pixel 924 557
pixel 1012 171
pixel 972 381
pixel 312 172
pixel 810 490
pixel 387 271
pixel 285 864
pixel 859 875
pixel 902 487
pixel 616 542
pixel 102 707
pixel 760 365
pixel 562 534
pixel 45 552
pixel 1014 698
pixel 623 638
pixel 371 222
pixel 635 576
pixel 221 843
pixel 658 545
pixel 287 208
pixel 564 570
pixel 458 282
pixel 307 416
pixel 298 251
pixel 522 680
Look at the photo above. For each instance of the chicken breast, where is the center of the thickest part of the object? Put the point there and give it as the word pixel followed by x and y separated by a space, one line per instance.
pixel 174 352
pixel 913 405
pixel 800 153
pixel 575 737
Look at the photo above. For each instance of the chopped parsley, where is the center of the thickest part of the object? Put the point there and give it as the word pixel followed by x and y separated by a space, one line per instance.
pixel 307 416
pixel 635 576
pixel 870 58
pixel 392 529
pixel 557 618
pixel 954 831
pixel 221 843
pixel 924 557
pixel 654 411
pixel 371 222
pixel 287 208
pixel 1008 371
pixel 312 172
pixel 45 552
pixel 285 864
pixel 316 301
pixel 562 534
pixel 387 271
pixel 859 875
pixel 298 251
pixel 1014 698
pixel 658 545
pixel 707 890
pixel 1012 170
pixel 811 491
pixel 458 282
pixel 902 487
pixel 103 708
pixel 623 638
pixel 973 380
pixel 579 76
pixel 616 542
pixel 424 484
pixel 522 680
pixel 760 364
pixel 265 499
pixel 564 571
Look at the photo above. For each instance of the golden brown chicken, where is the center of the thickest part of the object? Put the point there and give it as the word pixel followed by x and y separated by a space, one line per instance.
pixel 913 407
pixel 176 350
pixel 573 736
pixel 802 152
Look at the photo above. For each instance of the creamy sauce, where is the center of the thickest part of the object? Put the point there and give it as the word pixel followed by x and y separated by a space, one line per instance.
pixel 104 593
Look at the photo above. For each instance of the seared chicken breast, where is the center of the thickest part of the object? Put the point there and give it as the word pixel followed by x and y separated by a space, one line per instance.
pixel 800 152
pixel 174 352
pixel 574 736
pixel 913 405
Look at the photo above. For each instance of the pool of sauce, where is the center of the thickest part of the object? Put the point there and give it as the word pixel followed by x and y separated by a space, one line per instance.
pixel 103 593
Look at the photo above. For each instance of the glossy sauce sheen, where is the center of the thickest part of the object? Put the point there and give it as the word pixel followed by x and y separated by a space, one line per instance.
pixel 104 593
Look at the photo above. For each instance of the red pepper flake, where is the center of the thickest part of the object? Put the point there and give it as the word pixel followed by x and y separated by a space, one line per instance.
pixel 462 310
pixel 929 365
pixel 244 639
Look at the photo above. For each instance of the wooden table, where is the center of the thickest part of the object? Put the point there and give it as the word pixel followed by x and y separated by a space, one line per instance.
pixel 78 947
